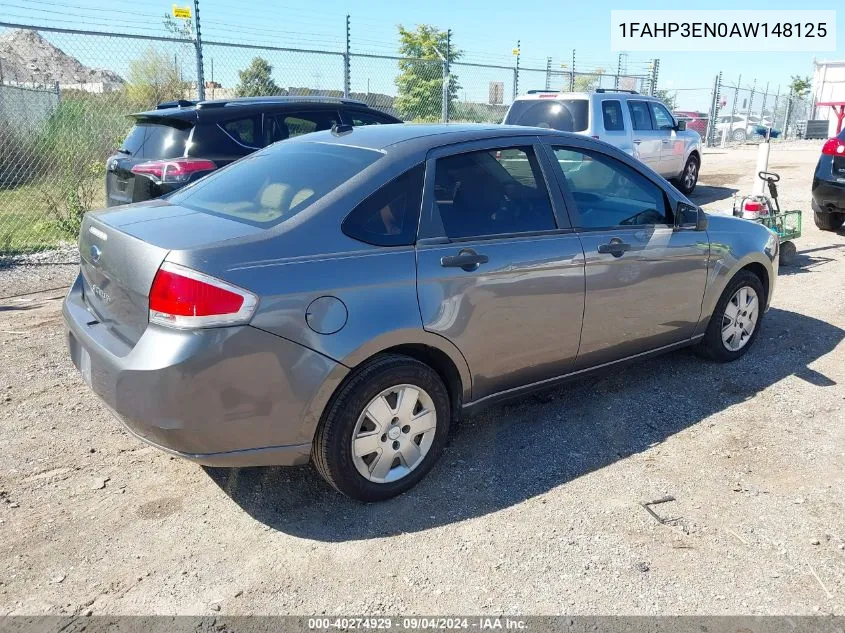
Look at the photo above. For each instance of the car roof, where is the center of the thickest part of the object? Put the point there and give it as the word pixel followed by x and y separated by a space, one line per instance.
pixel 601 92
pixel 188 109
pixel 423 136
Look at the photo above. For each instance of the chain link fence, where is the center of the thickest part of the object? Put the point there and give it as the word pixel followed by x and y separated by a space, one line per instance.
pixel 65 95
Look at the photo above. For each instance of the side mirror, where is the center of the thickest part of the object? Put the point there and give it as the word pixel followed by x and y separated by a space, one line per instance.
pixel 690 216
pixel 682 125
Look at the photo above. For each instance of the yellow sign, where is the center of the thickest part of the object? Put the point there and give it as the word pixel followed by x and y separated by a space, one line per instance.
pixel 182 12
pixel 516 51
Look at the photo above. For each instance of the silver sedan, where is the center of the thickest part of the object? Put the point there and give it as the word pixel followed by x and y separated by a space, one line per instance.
pixel 343 297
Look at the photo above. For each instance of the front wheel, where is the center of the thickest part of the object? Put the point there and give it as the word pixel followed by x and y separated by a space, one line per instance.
pixel 739 135
pixel 689 177
pixel 384 429
pixel 829 221
pixel 736 320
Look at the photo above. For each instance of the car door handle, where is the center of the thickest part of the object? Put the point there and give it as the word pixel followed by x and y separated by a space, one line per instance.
pixel 637 141
pixel 666 141
pixel 615 247
pixel 467 259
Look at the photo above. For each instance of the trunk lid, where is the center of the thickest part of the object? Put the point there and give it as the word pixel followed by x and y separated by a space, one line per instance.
pixel 121 251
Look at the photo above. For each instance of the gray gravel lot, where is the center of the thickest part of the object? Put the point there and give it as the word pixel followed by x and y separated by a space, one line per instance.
pixel 534 508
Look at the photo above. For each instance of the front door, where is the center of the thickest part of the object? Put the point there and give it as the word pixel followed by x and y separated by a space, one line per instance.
pixel 671 147
pixel 644 279
pixel 499 271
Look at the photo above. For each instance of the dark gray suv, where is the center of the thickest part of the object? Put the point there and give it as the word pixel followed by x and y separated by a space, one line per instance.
pixel 344 296
pixel 182 141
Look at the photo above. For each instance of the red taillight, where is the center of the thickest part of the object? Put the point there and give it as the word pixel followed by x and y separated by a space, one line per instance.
pixel 834 147
pixel 184 298
pixel 175 170
pixel 754 206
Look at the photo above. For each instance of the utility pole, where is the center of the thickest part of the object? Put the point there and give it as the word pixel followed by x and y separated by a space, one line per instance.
pixel 198 44
pixel 347 78
pixel 655 69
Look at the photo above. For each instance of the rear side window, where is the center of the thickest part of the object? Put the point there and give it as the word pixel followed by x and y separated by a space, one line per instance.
pixel 640 116
pixel 283 126
pixel 567 115
pixel 389 216
pixel 152 140
pixel 242 131
pixel 268 187
pixel 611 112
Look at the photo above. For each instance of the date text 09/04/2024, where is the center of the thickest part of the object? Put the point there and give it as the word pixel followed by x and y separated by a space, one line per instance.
pixel 418 623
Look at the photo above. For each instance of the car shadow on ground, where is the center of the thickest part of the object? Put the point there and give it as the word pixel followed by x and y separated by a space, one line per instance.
pixel 705 194
pixel 513 452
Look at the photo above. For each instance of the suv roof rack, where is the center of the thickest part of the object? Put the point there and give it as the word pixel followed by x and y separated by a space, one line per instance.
pixel 176 103
pixel 630 92
pixel 536 92
pixel 221 103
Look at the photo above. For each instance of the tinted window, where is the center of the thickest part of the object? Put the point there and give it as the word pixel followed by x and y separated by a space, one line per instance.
pixel 492 192
pixel 662 117
pixel 389 217
pixel 282 126
pixel 569 115
pixel 608 193
pixel 612 114
pixel 359 118
pixel 640 117
pixel 150 140
pixel 271 186
pixel 242 131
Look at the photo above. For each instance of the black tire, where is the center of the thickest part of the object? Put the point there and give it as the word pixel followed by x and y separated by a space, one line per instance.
pixel 739 135
pixel 711 346
pixel 332 449
pixel 683 186
pixel 787 253
pixel 829 221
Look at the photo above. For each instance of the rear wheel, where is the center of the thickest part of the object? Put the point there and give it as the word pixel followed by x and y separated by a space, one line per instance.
pixel 736 319
pixel 384 429
pixel 689 177
pixel 739 135
pixel 829 221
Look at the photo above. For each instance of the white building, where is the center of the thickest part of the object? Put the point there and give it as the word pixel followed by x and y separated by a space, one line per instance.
pixel 828 85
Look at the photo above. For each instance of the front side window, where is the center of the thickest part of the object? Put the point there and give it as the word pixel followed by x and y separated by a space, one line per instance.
pixel 607 193
pixel 612 114
pixel 662 117
pixel 492 192
pixel 389 216
pixel 268 187
pixel 640 116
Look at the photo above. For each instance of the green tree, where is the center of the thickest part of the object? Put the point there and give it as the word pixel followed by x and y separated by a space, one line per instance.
pixel 256 80
pixel 588 83
pixel 800 86
pixel 155 78
pixel 420 83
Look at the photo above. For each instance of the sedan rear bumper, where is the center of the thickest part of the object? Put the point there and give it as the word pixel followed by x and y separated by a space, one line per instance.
pixel 235 396
pixel 828 197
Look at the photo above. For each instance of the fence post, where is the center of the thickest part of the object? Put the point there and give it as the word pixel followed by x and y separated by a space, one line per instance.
pixel 448 78
pixel 516 72
pixel 715 100
pixel 346 62
pixel 765 97
pixel 198 44
pixel 548 73
pixel 733 108
pixel 786 117
pixel 572 74
pixel 655 68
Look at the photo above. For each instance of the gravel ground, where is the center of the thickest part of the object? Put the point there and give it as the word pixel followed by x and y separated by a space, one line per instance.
pixel 534 508
pixel 54 268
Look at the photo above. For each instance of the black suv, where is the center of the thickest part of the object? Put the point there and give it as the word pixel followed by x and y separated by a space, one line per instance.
pixel 829 185
pixel 181 141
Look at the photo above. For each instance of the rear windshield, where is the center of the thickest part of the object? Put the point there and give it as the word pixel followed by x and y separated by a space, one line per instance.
pixel 154 140
pixel 567 115
pixel 271 186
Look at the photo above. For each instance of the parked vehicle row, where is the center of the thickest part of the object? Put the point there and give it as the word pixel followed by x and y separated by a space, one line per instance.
pixel 639 125
pixel 344 296
pixel 829 185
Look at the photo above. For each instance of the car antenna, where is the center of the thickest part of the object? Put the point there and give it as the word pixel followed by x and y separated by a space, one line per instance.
pixel 339 129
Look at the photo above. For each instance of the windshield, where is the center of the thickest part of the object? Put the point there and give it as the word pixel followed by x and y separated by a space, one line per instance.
pixel 567 115
pixel 271 186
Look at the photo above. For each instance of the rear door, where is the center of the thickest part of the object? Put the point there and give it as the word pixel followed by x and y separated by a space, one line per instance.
pixel 615 126
pixel 499 271
pixel 149 139
pixel 644 278
pixel 671 147
pixel 647 141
